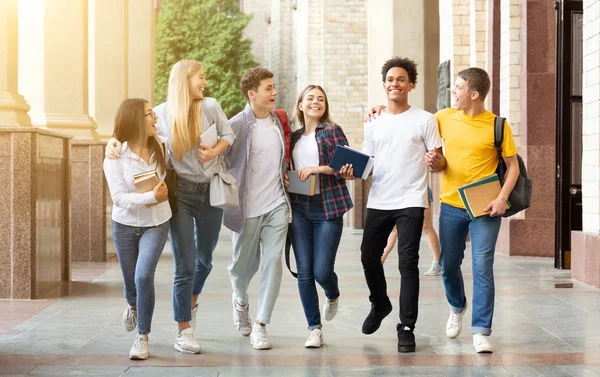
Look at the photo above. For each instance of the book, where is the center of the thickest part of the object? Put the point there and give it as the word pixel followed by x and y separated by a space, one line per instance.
pixel 210 139
pixel 362 163
pixel 145 182
pixel 309 187
pixel 210 136
pixel 476 196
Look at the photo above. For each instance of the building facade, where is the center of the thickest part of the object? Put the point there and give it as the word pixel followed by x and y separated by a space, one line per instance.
pixel 543 60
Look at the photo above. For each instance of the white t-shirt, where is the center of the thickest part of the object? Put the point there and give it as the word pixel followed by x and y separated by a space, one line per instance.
pixel 398 143
pixel 306 152
pixel 265 190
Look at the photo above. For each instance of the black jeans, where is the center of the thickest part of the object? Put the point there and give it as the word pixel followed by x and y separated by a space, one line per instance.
pixel 379 224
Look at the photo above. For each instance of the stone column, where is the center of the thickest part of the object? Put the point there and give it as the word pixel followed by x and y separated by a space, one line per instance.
pixel 478 33
pixel 108 65
pixel 455 34
pixel 493 54
pixel 34 208
pixel 13 107
pixel 510 63
pixel 140 49
pixel 53 73
pixel 585 245
pixel 528 233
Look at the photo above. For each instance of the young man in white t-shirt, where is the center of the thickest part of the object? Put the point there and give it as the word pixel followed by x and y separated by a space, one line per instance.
pixel 398 140
pixel 260 223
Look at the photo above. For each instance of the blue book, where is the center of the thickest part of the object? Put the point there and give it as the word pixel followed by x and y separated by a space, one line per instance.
pixel 362 163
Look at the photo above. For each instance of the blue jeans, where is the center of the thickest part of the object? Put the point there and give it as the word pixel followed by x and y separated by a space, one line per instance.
pixel 455 224
pixel 315 241
pixel 139 249
pixel 194 236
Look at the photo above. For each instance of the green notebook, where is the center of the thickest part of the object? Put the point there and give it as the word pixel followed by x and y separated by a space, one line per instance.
pixel 476 196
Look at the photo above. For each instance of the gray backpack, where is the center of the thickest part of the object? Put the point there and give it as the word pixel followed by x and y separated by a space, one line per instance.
pixel 520 197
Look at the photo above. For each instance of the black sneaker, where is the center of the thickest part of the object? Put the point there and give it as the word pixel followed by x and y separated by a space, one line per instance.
pixel 373 320
pixel 406 339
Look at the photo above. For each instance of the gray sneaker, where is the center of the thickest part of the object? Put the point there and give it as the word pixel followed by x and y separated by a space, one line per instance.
pixel 129 318
pixel 434 270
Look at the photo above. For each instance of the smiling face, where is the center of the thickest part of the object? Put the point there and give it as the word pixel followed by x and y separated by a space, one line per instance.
pixel 313 105
pixel 196 84
pixel 397 84
pixel 463 96
pixel 150 118
pixel 264 96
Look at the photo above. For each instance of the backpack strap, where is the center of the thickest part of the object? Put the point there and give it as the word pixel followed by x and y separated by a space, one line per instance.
pixel 499 134
pixel 283 118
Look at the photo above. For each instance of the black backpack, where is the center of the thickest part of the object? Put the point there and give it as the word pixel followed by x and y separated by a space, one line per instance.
pixel 520 197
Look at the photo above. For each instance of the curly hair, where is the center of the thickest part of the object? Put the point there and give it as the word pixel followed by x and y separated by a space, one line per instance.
pixel 409 65
pixel 252 78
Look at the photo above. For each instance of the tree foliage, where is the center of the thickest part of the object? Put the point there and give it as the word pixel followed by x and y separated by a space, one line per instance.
pixel 210 32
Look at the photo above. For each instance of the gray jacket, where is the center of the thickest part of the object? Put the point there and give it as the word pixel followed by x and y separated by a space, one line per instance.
pixel 237 158
pixel 189 167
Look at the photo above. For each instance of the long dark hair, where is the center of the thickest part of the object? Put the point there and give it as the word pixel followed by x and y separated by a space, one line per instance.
pixel 299 114
pixel 129 127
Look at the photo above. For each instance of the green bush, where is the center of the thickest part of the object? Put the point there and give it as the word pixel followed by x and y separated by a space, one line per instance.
pixel 210 32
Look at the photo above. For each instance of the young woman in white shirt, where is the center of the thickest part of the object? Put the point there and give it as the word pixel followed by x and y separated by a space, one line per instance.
pixel 140 220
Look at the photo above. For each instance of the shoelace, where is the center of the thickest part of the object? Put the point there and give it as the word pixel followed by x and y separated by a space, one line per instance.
pixel 454 320
pixel 314 335
pixel 242 318
pixel 261 335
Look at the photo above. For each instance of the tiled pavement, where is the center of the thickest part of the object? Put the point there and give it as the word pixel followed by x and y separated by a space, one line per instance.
pixel 539 330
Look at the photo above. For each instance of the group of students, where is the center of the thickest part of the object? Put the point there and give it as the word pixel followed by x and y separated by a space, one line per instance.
pixel 255 147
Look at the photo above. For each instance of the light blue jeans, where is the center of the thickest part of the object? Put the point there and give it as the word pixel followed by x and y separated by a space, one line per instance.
pixel 455 224
pixel 315 241
pixel 263 237
pixel 194 236
pixel 138 250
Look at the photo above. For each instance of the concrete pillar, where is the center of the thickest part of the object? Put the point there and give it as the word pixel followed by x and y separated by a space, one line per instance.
pixel 478 33
pixel 510 63
pixel 108 65
pixel 585 245
pixel 140 49
pixel 13 107
pixel 53 69
pixel 53 72
pixel 454 23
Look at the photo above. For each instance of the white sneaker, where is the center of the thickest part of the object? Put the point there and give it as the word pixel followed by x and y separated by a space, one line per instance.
pixel 330 309
pixel 130 318
pixel 241 317
pixel 259 339
pixel 434 270
pixel 315 340
pixel 454 324
pixel 186 343
pixel 481 344
pixel 193 320
pixel 140 348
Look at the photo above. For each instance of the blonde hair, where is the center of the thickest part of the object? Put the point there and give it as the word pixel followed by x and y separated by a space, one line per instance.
pixel 185 113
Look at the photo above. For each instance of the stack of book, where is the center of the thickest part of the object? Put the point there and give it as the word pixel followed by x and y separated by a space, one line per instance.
pixel 145 182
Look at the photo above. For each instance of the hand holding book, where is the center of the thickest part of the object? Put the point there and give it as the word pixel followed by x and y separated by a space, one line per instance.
pixel 160 192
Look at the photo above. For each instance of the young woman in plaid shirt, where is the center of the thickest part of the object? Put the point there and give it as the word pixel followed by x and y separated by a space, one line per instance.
pixel 317 221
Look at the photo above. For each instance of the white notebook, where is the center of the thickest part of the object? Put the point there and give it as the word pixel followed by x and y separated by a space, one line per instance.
pixel 209 138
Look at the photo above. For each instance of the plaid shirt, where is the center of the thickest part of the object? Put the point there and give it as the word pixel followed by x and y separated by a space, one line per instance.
pixel 334 193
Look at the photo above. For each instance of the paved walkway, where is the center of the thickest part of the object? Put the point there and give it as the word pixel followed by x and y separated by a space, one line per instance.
pixel 539 329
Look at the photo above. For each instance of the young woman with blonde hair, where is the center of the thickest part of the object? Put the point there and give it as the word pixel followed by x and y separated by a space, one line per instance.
pixel 140 221
pixel 195 228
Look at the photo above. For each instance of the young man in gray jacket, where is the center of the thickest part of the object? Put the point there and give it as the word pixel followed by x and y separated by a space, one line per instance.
pixel 257 161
